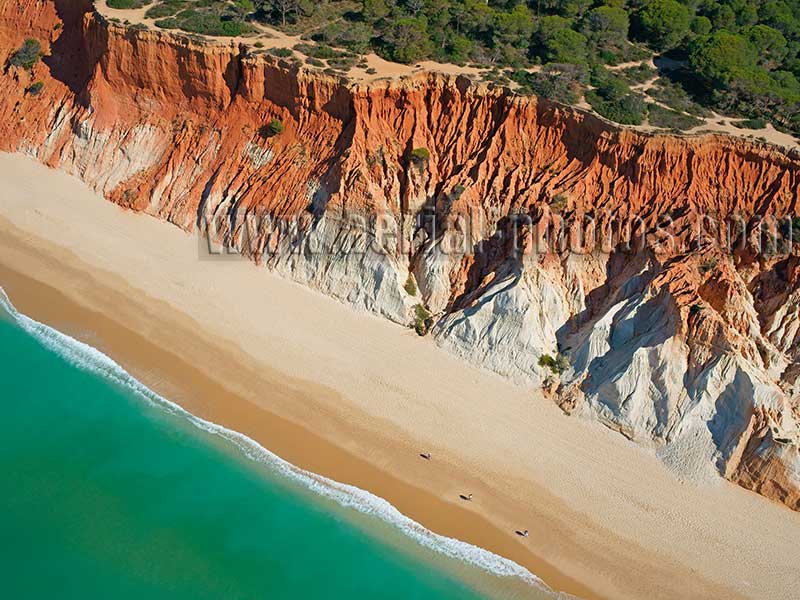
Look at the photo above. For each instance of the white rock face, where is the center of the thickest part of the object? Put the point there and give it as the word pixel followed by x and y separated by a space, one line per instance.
pixel 337 256
pixel 342 260
pixel 135 150
pixel 511 325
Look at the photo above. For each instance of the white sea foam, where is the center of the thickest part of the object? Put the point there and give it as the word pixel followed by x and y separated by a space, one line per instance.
pixel 90 359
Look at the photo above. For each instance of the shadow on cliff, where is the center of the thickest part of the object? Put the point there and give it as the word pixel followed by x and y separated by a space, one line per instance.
pixel 734 409
pixel 70 60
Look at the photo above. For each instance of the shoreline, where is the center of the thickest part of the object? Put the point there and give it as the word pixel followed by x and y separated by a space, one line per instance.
pixel 173 377
pixel 606 518
pixel 490 570
pixel 241 417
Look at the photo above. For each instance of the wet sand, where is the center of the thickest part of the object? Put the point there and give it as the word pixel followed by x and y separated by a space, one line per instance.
pixel 356 399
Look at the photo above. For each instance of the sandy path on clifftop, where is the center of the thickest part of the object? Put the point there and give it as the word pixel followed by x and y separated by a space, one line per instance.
pixel 603 515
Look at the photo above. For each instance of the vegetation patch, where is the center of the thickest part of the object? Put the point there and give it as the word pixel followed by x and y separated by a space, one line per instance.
pixel 281 52
pixel 319 51
pixel 708 265
pixel 658 116
pixel 35 88
pixel 411 285
pixel 638 74
pixel 557 364
pixel 750 124
pixel 167 8
pixel 558 203
pixel 271 129
pixel 613 98
pixel 559 82
pixel 420 156
pixel 795 229
pixel 27 55
pixel 205 17
pixel 676 97
pixel 423 319
pixel 127 4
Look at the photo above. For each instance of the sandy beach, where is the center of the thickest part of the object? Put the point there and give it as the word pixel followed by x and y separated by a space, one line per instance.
pixel 355 398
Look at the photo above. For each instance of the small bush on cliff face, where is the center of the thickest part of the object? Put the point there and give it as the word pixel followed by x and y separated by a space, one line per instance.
pixel 28 54
pixel 420 156
pixel 36 88
pixel 695 309
pixel 708 265
pixel 422 320
pixel 411 285
pixel 558 203
pixel 795 227
pixel 557 365
pixel 271 129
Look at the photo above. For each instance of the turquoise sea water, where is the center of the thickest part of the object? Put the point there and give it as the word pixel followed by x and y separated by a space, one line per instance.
pixel 108 491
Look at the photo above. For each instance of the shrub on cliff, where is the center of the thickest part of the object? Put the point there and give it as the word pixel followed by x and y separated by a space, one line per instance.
pixel 420 156
pixel 423 319
pixel 558 203
pixel 411 285
pixel 557 365
pixel 27 55
pixel 708 266
pixel 35 89
pixel 271 129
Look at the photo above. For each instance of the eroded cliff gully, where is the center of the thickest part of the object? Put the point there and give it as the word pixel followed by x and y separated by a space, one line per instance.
pixel 666 335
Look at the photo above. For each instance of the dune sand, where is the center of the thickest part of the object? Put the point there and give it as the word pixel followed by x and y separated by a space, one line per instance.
pixel 355 398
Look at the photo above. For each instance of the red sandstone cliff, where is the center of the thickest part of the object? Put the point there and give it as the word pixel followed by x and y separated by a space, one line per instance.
pixel 670 339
